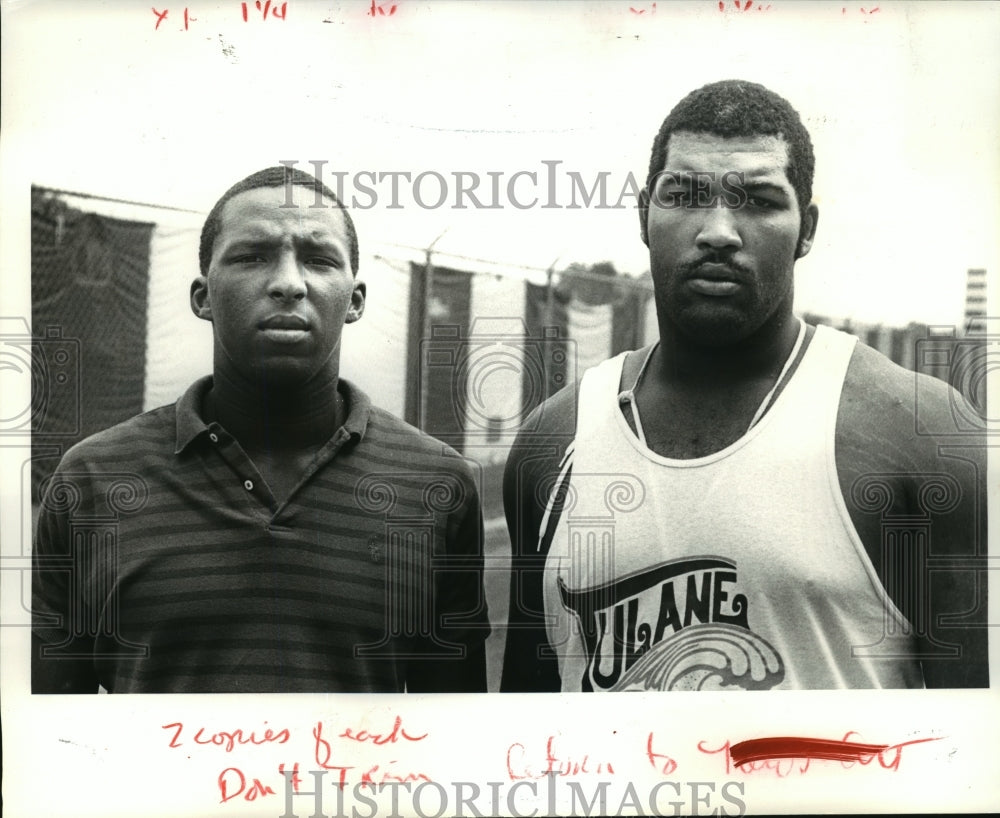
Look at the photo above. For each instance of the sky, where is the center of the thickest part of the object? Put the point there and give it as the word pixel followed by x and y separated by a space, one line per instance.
pixel 902 100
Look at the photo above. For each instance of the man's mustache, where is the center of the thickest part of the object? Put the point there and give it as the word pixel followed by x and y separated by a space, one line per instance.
pixel 740 271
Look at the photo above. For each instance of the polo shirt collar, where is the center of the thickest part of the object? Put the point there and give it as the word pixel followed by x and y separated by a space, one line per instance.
pixel 190 424
pixel 359 409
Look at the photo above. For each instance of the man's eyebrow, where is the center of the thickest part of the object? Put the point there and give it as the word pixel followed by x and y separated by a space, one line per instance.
pixel 264 242
pixel 240 241
pixel 320 238
pixel 263 233
pixel 680 177
pixel 677 175
pixel 762 185
pixel 732 178
pixel 250 230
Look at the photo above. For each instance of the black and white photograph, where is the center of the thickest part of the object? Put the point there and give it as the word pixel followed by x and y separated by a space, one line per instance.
pixel 420 368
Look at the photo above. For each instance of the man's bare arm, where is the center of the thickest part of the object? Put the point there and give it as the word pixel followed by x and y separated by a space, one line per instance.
pixel 532 466
pixel 915 486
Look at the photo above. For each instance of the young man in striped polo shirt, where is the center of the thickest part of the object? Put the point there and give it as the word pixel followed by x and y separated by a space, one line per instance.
pixel 272 531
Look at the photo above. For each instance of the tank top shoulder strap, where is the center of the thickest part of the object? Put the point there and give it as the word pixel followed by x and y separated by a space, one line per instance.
pixel 820 374
pixel 597 401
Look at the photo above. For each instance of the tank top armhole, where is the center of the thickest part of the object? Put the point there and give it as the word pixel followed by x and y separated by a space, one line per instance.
pixel 841 348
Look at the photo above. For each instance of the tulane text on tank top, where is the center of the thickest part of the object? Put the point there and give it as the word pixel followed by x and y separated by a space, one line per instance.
pixel 740 570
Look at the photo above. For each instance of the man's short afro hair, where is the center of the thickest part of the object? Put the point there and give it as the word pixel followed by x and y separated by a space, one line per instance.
pixel 739 108
pixel 278 176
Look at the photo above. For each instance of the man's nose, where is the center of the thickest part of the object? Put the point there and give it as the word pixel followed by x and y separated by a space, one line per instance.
pixel 719 227
pixel 287 280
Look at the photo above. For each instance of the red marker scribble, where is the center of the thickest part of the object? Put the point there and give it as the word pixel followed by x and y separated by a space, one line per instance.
pixel 763 749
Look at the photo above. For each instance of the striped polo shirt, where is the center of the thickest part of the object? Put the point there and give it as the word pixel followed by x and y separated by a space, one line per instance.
pixel 162 554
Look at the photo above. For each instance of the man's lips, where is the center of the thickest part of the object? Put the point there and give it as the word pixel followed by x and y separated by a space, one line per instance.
pixel 285 328
pixel 284 321
pixel 714 279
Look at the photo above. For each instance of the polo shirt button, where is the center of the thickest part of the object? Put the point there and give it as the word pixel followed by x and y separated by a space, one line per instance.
pixel 213 437
pixel 248 485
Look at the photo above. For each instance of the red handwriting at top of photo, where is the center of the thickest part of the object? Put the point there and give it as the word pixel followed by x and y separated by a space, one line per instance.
pixel 270 10
pixel 163 15
pixel 745 5
pixel 277 12
pixel 228 740
pixel 783 755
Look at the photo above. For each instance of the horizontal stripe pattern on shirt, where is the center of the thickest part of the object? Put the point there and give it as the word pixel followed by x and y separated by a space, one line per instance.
pixel 161 564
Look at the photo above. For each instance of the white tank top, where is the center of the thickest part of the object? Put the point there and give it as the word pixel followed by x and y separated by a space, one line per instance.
pixel 738 570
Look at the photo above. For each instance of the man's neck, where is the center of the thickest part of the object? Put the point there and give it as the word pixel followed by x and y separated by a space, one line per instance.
pixel 275 417
pixel 683 360
pixel 695 399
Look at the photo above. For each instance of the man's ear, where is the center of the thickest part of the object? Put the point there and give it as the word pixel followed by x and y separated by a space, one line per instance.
pixel 808 231
pixel 357 308
pixel 643 215
pixel 200 302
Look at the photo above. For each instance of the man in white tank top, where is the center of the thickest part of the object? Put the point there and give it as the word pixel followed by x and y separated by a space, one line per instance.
pixel 749 503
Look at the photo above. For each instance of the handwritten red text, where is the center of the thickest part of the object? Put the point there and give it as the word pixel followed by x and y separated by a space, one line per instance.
pixel 664 763
pixel 228 740
pixel 379 739
pixel 380 11
pixel 519 767
pixel 277 12
pixel 233 783
pixel 162 15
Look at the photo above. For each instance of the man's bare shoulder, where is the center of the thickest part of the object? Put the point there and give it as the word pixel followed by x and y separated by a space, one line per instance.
pixel 546 433
pixel 555 416
pixel 904 414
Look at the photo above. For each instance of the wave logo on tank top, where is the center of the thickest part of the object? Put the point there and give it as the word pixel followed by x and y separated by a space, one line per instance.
pixel 677 626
